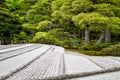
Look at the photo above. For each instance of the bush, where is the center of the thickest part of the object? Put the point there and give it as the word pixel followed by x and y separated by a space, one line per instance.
pixel 96 47
pixel 104 45
pixel 93 53
pixel 70 43
pixel 87 48
pixel 113 50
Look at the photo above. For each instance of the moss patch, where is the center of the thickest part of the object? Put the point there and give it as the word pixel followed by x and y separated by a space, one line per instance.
pixel 94 53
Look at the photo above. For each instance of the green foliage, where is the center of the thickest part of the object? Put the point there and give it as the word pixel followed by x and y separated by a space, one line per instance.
pixel 9 24
pixel 40 11
pixel 87 48
pixel 82 6
pixel 13 5
pixel 29 26
pixel 60 22
pixel 46 37
pixel 96 47
pixel 71 43
pixel 55 36
pixel 113 50
pixel 115 24
pixel 22 36
pixel 2 4
pixel 94 53
pixel 105 9
pixel 39 35
pixel 92 19
pixel 43 25
pixel 51 39
pixel 57 4
pixel 104 45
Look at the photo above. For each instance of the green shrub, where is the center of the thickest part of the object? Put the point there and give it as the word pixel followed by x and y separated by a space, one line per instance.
pixel 113 50
pixel 96 47
pixel 71 43
pixel 104 45
pixel 93 53
pixel 87 48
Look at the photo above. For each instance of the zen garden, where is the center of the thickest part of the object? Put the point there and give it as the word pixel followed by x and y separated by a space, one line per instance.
pixel 90 27
pixel 59 39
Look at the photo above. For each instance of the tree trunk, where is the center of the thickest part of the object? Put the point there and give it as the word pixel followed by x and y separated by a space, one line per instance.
pixel 87 37
pixel 12 42
pixel 79 34
pixel 101 38
pixel 107 35
pixel 0 42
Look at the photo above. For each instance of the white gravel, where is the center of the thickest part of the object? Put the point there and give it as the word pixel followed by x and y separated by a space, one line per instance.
pixel 14 48
pixel 105 62
pixel 31 65
pixel 9 46
pixel 13 64
pixel 116 58
pixel 47 65
pixel 79 64
pixel 18 52
pixel 59 49
pixel 105 76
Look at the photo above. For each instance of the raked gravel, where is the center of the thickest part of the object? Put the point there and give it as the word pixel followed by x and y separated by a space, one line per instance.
pixel 47 65
pixel 11 65
pixel 79 64
pixel 105 62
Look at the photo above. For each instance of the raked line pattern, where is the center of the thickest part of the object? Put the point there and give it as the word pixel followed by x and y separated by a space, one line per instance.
pixel 50 62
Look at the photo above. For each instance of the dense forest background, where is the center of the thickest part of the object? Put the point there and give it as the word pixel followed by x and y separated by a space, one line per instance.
pixel 87 25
